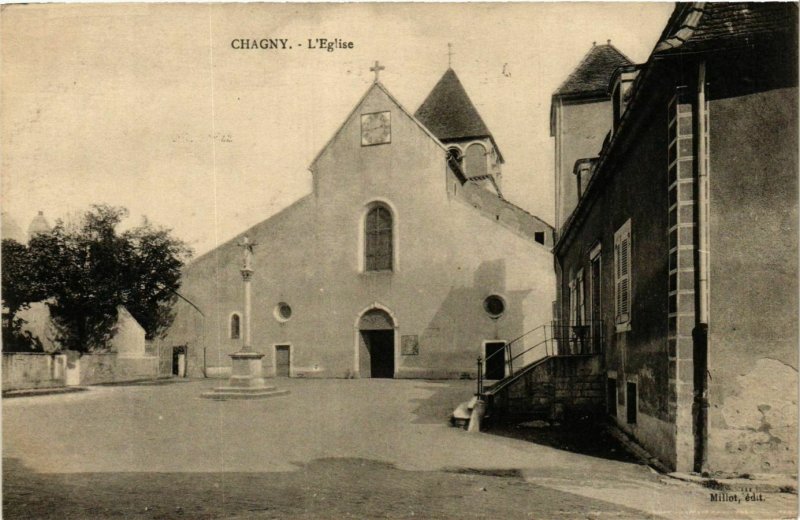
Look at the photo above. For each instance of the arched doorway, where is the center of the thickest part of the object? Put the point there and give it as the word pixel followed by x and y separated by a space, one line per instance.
pixel 376 344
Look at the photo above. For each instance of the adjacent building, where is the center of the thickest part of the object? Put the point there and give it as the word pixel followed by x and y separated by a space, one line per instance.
pixel 677 234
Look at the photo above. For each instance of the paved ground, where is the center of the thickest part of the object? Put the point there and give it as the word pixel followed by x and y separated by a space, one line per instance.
pixel 331 449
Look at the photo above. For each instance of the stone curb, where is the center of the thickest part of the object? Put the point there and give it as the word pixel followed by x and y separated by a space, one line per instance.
pixel 756 484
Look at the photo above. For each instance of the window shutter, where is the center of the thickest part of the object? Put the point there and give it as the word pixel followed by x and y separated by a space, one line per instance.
pixel 626 275
pixel 622 270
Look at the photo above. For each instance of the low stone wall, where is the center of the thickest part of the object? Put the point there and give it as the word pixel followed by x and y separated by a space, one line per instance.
pixel 559 388
pixel 110 368
pixel 22 371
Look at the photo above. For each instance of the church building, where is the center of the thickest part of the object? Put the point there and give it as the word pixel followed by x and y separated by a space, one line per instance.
pixel 405 260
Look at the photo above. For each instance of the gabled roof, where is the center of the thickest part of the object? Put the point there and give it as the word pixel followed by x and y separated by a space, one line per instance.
pixel 376 85
pixel 592 75
pixel 705 26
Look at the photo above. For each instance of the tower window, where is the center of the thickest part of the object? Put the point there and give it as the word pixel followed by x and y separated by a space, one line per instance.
pixel 378 239
pixel 454 154
pixel 475 160
pixel 538 236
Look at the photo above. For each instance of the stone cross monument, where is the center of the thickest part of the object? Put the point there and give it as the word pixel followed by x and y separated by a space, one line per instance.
pixel 246 380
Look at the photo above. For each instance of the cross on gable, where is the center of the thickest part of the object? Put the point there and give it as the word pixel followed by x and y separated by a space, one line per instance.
pixel 377 69
pixel 450 54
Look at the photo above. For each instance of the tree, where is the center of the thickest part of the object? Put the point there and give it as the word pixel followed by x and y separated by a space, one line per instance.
pixel 88 269
pixel 19 289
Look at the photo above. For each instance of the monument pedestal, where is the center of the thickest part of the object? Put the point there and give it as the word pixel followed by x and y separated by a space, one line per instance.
pixel 246 380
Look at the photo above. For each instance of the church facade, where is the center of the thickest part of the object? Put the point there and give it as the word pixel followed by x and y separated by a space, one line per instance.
pixel 405 260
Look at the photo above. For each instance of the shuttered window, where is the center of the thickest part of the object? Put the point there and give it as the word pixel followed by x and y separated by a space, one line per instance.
pixel 622 276
pixel 580 313
pixel 378 240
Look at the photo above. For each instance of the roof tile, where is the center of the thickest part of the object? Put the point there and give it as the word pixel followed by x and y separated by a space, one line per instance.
pixel 448 112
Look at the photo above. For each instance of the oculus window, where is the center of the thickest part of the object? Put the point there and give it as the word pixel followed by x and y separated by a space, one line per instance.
pixel 282 312
pixel 494 306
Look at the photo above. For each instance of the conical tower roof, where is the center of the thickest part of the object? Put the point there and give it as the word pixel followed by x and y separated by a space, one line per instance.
pixel 593 73
pixel 449 113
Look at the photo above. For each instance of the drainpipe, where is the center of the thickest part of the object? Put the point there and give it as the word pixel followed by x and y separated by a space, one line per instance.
pixel 700 335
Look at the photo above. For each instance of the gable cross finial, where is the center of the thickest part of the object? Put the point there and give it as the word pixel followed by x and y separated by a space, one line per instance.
pixel 377 69
pixel 449 55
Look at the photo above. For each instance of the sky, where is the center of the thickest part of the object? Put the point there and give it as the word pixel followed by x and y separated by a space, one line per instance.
pixel 148 106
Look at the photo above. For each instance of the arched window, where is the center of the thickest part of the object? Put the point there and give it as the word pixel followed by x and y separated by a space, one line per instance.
pixel 455 154
pixel 475 160
pixel 235 326
pixel 378 239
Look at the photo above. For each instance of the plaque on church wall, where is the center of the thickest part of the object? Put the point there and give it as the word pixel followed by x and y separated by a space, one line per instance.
pixel 409 345
pixel 376 128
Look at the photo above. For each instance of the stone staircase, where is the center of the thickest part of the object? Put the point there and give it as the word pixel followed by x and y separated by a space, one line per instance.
pixel 564 382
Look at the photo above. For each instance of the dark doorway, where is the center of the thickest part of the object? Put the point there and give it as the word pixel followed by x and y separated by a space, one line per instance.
pixel 282 361
pixel 380 345
pixel 495 360
pixel 376 349
pixel 630 403
pixel 179 361
pixel 611 396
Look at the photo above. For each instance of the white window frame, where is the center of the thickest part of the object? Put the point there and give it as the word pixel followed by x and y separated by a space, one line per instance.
pixel 595 255
pixel 486 152
pixel 580 305
pixel 622 277
pixel 572 303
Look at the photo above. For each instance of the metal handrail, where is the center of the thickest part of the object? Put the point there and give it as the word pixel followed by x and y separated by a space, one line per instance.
pixel 507 345
pixel 576 333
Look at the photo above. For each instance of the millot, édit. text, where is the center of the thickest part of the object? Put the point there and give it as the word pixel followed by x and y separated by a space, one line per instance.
pixel 264 44
pixel 749 496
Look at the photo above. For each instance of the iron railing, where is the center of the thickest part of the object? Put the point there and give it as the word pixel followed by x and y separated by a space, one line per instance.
pixel 579 339
pixel 552 339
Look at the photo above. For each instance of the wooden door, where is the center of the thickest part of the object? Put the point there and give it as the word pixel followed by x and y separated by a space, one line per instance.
pixel 380 345
pixel 282 361
pixel 495 360
pixel 179 361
